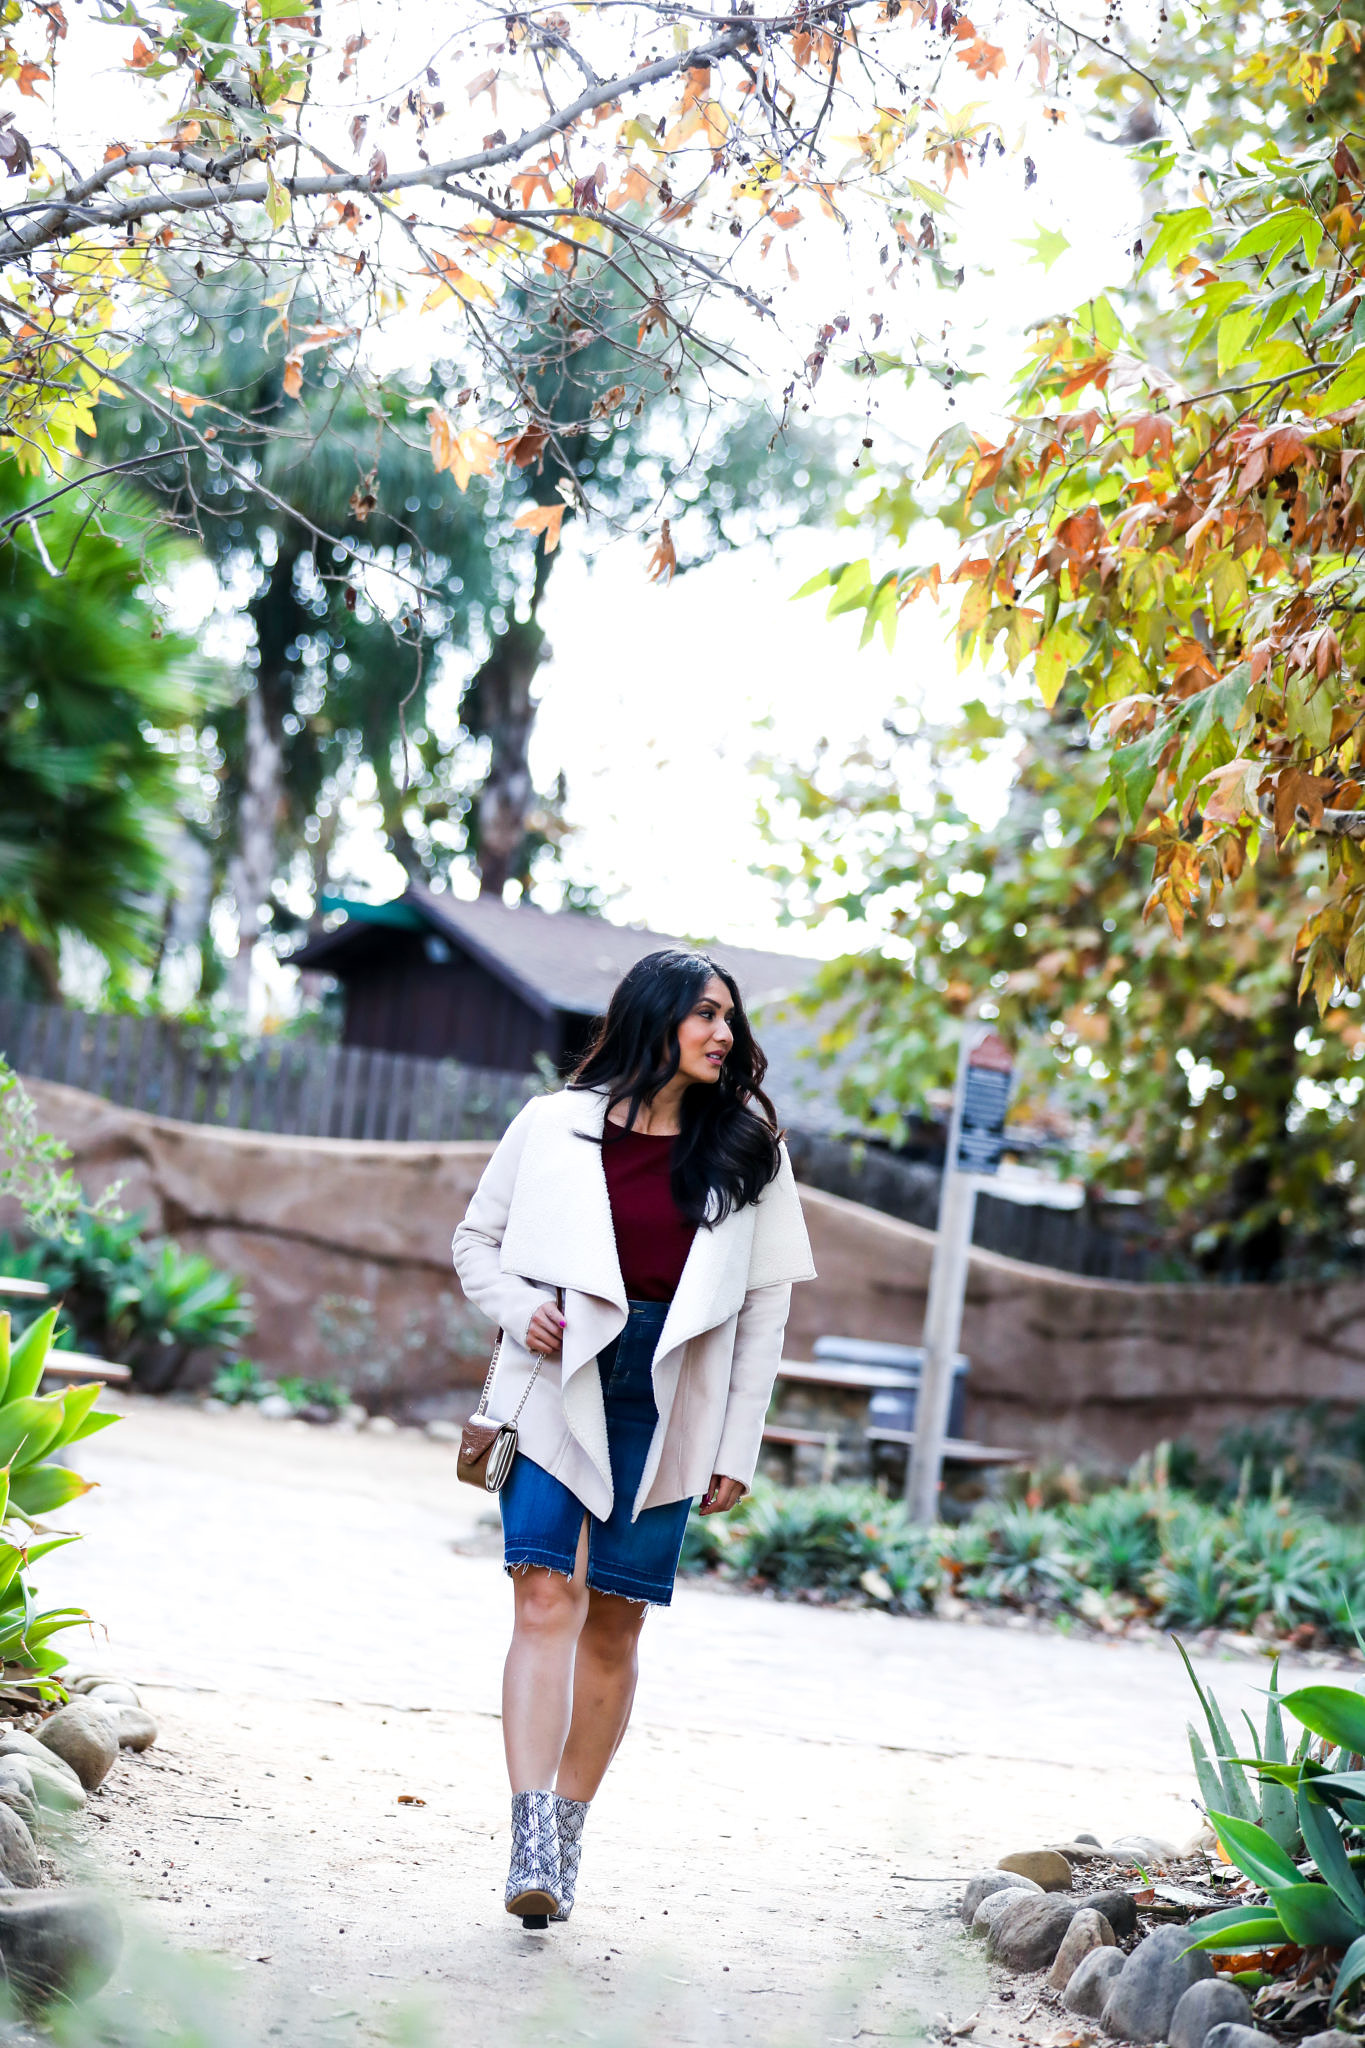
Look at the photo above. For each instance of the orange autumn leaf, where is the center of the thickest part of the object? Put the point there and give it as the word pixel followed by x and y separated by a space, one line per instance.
pixel 663 563
pixel 471 453
pixel 293 375
pixel 29 75
pixel 141 56
pixel 786 216
pixel 544 520
pixel 188 401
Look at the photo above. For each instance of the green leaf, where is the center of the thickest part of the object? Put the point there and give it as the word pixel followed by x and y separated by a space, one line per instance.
pixel 1210 1786
pixel 1314 1916
pixel 278 204
pixel 1332 1712
pixel 1053 660
pixel 1252 1929
pixel 1047 245
pixel 1323 1842
pixel 1347 386
pixel 1279 1815
pixel 1351 1971
pixel 1254 1853
pixel 29 1356
pixel 46 1488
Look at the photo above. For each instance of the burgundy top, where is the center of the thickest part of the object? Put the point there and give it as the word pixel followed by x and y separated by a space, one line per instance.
pixel 652 1238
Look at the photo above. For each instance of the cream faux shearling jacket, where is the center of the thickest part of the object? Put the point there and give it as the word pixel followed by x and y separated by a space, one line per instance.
pixel 540 1218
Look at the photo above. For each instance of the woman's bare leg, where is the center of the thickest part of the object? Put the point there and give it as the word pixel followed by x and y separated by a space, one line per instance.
pixel 605 1669
pixel 538 1686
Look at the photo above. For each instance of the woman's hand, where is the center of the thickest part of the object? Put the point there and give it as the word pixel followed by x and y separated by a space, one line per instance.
pixel 721 1495
pixel 545 1331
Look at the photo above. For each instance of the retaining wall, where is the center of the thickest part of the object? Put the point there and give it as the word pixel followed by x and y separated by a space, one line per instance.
pixel 346 1248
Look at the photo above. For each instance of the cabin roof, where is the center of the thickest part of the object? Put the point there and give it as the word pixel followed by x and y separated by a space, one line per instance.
pixel 556 960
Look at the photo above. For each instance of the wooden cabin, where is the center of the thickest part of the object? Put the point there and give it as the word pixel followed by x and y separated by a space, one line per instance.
pixel 493 985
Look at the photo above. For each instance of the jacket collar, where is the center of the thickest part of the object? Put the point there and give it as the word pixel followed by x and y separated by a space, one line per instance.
pixel 559 1226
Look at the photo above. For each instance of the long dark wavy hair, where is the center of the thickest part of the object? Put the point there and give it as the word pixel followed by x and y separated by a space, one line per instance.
pixel 727 1150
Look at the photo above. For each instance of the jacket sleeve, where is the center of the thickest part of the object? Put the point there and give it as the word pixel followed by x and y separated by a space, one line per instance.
pixel 753 1368
pixel 505 1298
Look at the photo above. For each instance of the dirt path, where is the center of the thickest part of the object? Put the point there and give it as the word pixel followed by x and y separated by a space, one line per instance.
pixel 317 1620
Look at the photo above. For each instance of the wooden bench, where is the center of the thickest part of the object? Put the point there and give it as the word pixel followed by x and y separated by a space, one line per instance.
pixel 792 1438
pixel 31 1290
pixel 78 1366
pixel 956 1450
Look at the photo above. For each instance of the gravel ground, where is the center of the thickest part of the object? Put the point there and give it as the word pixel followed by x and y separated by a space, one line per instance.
pixel 317 1620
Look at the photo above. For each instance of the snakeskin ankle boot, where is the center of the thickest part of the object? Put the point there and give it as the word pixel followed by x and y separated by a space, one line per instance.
pixel 533 1879
pixel 571 1814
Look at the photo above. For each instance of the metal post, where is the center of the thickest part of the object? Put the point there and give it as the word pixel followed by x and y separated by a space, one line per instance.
pixel 976 1136
pixel 942 1315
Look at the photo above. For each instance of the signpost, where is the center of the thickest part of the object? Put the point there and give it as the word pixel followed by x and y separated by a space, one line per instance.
pixel 976 1136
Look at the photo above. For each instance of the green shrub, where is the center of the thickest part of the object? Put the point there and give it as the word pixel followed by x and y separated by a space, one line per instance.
pixel 140 1300
pixel 1139 1552
pixel 34 1428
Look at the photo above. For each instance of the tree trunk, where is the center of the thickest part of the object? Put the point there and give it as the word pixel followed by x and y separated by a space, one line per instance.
pixel 253 869
pixel 499 704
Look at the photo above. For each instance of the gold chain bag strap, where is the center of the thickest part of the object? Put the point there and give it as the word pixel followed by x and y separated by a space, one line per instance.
pixel 487 1448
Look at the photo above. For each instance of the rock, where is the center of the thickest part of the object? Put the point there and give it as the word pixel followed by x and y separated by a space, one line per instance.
pixel 88 1680
pixel 1155 1977
pixel 1078 1852
pixel 443 1432
pixel 1143 1849
pixel 1088 1930
pixel 135 1728
pixel 85 1735
pixel 382 1425
pixel 1203 1842
pixel 995 1903
pixel 18 1857
pixel 211 1405
pixel 16 1742
pixel 1332 2038
pixel 1028 1932
pixel 984 1884
pixel 1048 1868
pixel 1117 1907
pixel 1230 2035
pixel 16 1790
pixel 274 1407
pixel 57 1790
pixel 113 1694
pixel 1093 1981
pixel 1214 2003
pixel 57 1944
pixel 1093 1840
pixel 318 1412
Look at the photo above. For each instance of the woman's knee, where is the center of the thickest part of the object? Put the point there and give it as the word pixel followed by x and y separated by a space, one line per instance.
pixel 548 1604
pixel 613 1625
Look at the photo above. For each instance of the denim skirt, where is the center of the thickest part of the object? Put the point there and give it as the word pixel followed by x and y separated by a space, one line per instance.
pixel 542 1520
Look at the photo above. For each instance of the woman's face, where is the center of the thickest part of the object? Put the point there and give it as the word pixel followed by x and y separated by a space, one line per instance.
pixel 704 1035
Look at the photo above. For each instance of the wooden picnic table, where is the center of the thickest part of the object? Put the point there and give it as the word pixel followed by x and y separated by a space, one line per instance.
pixel 957 1450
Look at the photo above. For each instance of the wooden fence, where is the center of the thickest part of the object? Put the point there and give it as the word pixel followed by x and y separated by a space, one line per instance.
pixel 259 1084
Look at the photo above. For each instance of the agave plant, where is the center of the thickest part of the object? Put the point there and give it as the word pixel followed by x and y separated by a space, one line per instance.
pixel 1327 1908
pixel 1223 1783
pixel 34 1427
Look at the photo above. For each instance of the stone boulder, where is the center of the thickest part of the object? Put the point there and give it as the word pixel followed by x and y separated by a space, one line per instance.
pixel 1117 1907
pixel 1047 1868
pixel 1088 1930
pixel 1156 1976
pixel 984 1883
pixel 1231 2036
pixel 1092 1982
pixel 1028 1932
pixel 135 1728
pixel 57 1944
pixel 18 1857
pixel 1148 1850
pixel 996 1903
pixel 1213 2003
pixel 85 1736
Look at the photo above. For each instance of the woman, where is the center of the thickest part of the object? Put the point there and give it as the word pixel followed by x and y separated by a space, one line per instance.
pixel 636 1237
